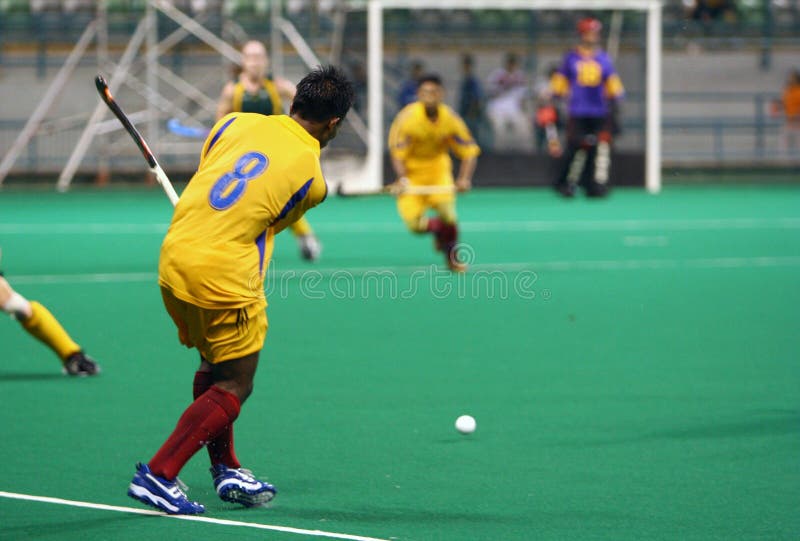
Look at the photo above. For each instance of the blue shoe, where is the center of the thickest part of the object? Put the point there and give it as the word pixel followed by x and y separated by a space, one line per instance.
pixel 160 493
pixel 239 486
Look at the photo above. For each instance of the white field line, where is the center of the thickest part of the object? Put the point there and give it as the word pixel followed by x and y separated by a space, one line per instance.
pixel 711 224
pixel 223 522
pixel 565 266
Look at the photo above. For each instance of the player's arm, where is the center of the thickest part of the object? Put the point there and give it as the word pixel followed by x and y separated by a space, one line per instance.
pixel 614 92
pixel 309 192
pixel 465 172
pixel 225 102
pixel 466 149
pixel 559 89
pixel 286 88
pixel 547 119
pixel 399 147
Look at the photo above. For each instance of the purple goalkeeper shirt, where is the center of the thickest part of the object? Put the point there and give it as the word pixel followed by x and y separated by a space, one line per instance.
pixel 590 80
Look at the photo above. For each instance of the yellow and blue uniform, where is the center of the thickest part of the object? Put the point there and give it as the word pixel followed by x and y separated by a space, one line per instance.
pixel 424 146
pixel 267 101
pixel 257 175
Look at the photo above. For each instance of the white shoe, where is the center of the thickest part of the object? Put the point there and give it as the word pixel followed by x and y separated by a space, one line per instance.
pixel 310 247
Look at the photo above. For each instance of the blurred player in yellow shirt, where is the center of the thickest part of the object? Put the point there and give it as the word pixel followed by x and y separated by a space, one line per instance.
pixel 257 175
pixel 256 92
pixel 421 138
pixel 42 325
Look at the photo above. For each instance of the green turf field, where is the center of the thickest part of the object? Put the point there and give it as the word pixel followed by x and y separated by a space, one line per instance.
pixel 632 364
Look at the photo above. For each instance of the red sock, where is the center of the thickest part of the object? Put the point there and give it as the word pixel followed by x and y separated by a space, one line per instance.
pixel 435 225
pixel 220 449
pixel 448 237
pixel 199 424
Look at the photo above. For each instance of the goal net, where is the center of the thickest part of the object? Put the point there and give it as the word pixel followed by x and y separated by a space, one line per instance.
pixel 391 37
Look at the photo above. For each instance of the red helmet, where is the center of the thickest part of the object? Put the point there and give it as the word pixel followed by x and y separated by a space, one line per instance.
pixel 589 24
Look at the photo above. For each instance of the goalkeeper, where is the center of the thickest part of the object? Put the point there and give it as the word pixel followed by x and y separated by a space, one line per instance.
pixel 588 80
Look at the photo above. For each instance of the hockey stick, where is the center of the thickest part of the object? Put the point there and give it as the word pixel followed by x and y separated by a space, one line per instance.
pixel 395 190
pixel 155 168
pixel 175 126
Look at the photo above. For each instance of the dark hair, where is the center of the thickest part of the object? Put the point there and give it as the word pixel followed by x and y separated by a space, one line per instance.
pixel 467 60
pixel 323 94
pixel 430 78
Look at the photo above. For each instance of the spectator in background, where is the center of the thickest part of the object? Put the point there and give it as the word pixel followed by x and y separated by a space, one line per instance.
pixel 712 10
pixel 508 88
pixel 472 101
pixel 790 105
pixel 408 89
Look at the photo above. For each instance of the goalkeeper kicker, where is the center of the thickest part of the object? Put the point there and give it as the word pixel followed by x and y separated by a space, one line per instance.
pixel 591 87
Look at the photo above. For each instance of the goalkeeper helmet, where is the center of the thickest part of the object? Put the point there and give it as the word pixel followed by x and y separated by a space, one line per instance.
pixel 589 24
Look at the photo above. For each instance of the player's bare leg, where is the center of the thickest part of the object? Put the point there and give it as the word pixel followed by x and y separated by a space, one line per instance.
pixel 42 325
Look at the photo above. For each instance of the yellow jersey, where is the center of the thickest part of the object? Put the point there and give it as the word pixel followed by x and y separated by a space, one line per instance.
pixel 257 175
pixel 424 145
pixel 267 100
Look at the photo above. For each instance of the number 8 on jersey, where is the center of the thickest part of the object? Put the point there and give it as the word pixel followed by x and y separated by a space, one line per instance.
pixel 230 187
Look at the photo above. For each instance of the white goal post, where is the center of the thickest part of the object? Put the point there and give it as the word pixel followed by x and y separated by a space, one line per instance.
pixel 652 9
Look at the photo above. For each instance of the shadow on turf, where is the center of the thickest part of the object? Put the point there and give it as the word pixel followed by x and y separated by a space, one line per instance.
pixel 22 376
pixel 67 529
pixel 758 424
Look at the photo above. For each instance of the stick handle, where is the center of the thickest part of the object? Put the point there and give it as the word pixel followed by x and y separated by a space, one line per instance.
pixel 163 179
pixel 427 190
pixel 161 176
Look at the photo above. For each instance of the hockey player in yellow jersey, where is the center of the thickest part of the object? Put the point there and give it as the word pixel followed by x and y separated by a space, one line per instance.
pixel 37 321
pixel 421 138
pixel 255 91
pixel 257 175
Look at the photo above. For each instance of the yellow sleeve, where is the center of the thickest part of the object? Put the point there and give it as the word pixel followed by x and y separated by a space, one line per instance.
pixel 461 142
pixel 614 88
pixel 301 227
pixel 399 141
pixel 559 85
pixel 311 190
pixel 238 96
pixel 275 96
